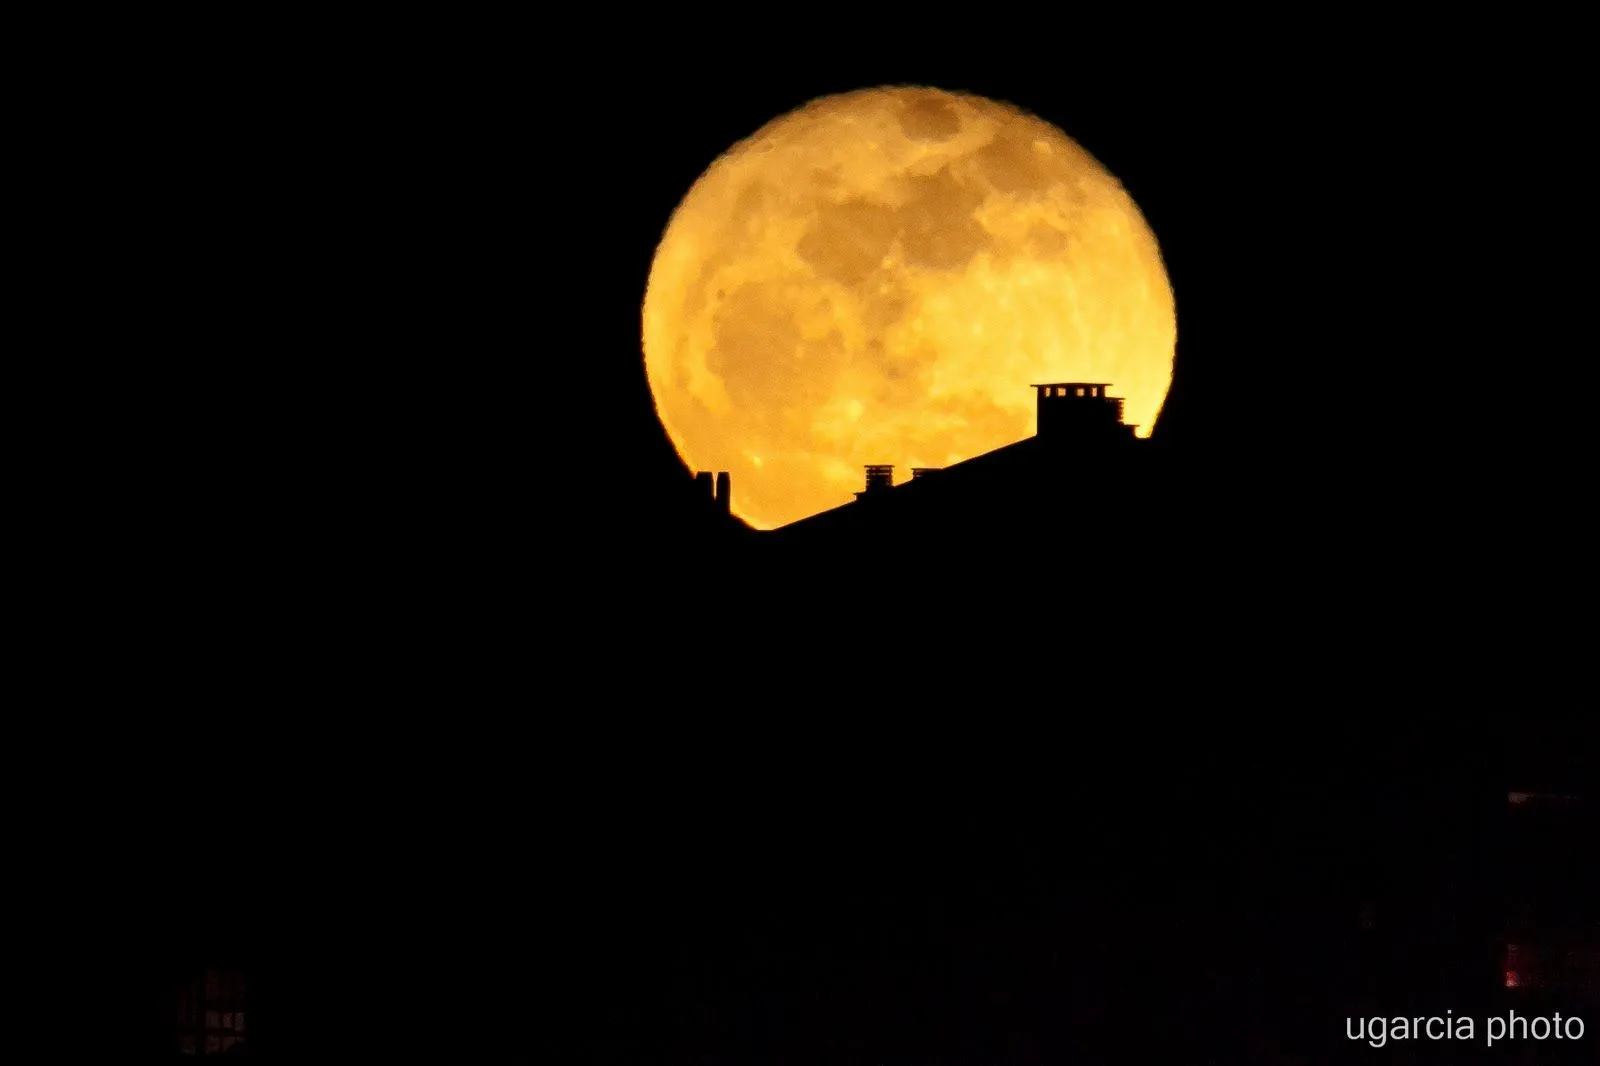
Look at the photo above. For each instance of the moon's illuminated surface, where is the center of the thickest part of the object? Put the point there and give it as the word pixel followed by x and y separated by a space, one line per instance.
pixel 877 277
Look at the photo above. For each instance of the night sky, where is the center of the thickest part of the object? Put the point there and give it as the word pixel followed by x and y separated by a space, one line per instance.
pixel 447 754
pixel 427 265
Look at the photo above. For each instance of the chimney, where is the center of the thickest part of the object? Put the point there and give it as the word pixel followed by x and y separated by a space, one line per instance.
pixel 924 471
pixel 703 486
pixel 724 492
pixel 1080 409
pixel 880 478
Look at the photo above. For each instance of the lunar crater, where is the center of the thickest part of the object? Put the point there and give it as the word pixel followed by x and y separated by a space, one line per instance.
pixel 929 119
pixel 847 241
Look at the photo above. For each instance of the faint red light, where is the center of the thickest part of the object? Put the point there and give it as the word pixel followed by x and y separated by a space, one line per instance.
pixel 1512 980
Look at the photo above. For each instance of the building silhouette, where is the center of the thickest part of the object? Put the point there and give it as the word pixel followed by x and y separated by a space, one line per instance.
pixel 714 496
pixel 1081 411
pixel 1083 465
pixel 209 1014
pixel 1552 935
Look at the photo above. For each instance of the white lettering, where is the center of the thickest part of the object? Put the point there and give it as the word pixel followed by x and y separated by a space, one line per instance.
pixel 1378 1031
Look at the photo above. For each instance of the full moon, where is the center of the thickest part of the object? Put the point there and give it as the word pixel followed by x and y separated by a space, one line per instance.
pixel 878 277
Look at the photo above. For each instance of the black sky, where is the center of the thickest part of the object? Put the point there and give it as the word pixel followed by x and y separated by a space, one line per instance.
pixel 430 258
pixel 387 481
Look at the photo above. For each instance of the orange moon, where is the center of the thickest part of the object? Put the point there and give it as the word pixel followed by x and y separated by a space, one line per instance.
pixel 878 277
